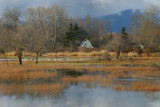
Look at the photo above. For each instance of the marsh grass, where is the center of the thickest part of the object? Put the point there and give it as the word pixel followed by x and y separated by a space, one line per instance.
pixel 32 89
pixel 17 68
pixel 48 78
pixel 80 53
pixel 135 61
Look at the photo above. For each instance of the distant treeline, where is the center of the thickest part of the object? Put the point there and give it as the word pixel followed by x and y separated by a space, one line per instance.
pixel 47 29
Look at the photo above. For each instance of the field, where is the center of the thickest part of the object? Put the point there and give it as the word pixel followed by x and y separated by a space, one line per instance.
pixel 52 78
pixel 95 57
pixel 72 75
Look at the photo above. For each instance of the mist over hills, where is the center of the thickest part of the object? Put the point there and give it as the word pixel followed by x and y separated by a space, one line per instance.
pixel 119 20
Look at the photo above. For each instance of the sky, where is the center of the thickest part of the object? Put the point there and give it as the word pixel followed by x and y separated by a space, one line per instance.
pixel 81 8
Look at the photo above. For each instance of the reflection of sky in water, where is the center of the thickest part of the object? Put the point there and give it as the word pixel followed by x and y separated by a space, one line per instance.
pixel 78 96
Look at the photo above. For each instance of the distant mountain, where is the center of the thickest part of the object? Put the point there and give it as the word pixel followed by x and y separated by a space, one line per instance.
pixel 119 20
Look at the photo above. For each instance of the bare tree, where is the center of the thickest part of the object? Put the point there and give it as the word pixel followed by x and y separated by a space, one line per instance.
pixel 148 25
pixel 135 26
pixel 45 27
pixel 86 24
pixel 58 25
pixel 5 39
pixel 35 41
pixel 10 18
pixel 36 30
pixel 12 32
pixel 18 43
pixel 116 45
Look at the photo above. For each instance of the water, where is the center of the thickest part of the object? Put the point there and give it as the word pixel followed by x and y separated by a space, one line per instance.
pixel 78 96
pixel 50 59
pixel 78 88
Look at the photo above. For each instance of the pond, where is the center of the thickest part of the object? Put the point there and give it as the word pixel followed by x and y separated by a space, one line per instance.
pixel 79 88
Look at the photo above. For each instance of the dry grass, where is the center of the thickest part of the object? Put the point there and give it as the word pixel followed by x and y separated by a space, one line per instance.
pixel 29 54
pixel 92 79
pixel 47 88
pixel 114 74
pixel 94 53
pixel 95 57
pixel 74 54
pixel 69 79
pixel 32 89
pixel 19 76
pixel 87 54
pixel 145 86
pixel 11 53
pixel 17 68
pixel 85 79
pixel 132 54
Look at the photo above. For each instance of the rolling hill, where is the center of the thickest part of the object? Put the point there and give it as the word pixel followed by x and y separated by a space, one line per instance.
pixel 119 20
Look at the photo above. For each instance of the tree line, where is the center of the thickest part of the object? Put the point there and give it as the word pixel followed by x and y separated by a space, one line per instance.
pixel 142 36
pixel 47 29
pixel 43 29
pixel 37 30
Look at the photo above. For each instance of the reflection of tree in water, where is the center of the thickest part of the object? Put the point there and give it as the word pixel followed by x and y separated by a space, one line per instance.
pixel 73 73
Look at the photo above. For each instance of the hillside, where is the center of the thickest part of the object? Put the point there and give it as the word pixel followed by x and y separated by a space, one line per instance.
pixel 119 20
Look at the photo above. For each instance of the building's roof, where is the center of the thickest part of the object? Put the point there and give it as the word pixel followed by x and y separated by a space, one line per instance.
pixel 87 44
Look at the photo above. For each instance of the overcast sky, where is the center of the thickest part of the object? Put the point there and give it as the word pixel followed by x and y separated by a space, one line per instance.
pixel 82 8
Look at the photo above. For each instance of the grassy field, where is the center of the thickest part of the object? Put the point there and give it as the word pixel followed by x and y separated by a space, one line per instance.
pixel 94 57
pixel 41 79
pixel 47 77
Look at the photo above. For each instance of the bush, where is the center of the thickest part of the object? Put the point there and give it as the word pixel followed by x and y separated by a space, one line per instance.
pixel 83 49
pixel 132 54
pixel 74 54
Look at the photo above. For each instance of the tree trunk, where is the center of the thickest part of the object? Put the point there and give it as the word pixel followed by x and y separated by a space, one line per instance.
pixel 54 45
pixel 37 54
pixel 5 56
pixel 118 53
pixel 20 59
pixel 19 52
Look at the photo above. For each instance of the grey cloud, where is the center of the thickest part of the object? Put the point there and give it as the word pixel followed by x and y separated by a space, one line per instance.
pixel 22 4
pixel 102 7
pixel 82 7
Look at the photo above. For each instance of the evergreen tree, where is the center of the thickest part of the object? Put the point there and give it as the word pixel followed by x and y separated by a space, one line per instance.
pixel 124 34
pixel 88 37
pixel 71 36
pixel 124 37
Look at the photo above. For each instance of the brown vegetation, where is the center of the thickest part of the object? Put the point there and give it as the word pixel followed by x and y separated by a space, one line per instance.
pixel 16 79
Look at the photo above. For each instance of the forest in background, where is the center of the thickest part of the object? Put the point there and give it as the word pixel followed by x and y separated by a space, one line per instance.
pixel 50 29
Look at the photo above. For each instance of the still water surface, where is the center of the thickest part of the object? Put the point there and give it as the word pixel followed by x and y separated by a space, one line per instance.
pixel 78 96
pixel 79 89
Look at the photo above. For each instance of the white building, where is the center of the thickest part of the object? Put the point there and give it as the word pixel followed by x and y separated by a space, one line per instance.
pixel 86 44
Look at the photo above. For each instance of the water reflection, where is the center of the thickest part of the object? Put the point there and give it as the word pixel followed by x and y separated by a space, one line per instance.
pixel 80 96
pixel 79 88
